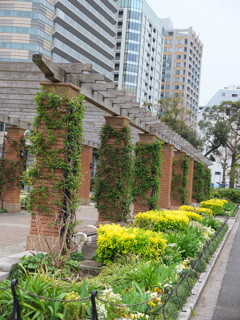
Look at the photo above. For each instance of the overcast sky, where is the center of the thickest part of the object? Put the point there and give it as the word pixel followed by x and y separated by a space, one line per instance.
pixel 217 22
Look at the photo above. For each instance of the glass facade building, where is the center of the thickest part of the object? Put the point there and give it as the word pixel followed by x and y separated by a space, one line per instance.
pixel 139 48
pixel 63 30
pixel 26 28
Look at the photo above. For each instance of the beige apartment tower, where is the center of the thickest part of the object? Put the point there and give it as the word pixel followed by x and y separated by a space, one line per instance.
pixel 181 69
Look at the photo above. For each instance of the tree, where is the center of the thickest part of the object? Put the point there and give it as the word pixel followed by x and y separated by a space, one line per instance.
pixel 215 133
pixel 222 128
pixel 174 115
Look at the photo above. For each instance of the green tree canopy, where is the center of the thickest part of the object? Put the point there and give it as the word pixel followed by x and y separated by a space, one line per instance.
pixel 174 115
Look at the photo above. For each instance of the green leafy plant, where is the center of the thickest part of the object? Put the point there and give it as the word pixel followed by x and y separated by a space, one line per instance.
pixel 57 149
pixel 114 240
pixel 211 222
pixel 229 194
pixel 180 179
pixel 201 182
pixel 146 188
pixel 114 174
pixel 189 242
pixel 161 220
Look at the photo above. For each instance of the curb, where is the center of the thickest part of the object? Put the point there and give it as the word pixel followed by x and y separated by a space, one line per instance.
pixel 201 283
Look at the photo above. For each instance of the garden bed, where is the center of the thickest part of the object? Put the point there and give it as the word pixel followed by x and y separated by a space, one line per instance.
pixel 131 285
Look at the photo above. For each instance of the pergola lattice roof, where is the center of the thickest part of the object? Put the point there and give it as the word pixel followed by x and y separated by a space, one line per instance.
pixel 19 82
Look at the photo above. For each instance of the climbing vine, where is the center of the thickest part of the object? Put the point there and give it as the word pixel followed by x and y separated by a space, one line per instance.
pixel 201 182
pixel 207 179
pixel 11 170
pixel 146 188
pixel 180 179
pixel 56 142
pixel 114 171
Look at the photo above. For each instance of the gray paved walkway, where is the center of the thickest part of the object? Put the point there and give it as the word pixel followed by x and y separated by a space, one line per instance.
pixel 14 228
pixel 220 299
pixel 228 303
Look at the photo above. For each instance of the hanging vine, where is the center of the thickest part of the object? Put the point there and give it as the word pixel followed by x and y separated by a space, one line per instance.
pixel 146 188
pixel 180 179
pixel 114 172
pixel 56 142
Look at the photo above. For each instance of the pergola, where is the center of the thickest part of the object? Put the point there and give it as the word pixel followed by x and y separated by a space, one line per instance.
pixel 19 83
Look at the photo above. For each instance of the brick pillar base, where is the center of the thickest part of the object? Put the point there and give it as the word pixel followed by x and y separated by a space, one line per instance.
pixel 141 205
pixel 11 192
pixel 47 219
pixel 166 176
pixel 86 160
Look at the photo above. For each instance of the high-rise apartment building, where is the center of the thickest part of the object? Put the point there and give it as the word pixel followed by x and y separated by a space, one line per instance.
pixel 182 68
pixel 64 30
pixel 139 49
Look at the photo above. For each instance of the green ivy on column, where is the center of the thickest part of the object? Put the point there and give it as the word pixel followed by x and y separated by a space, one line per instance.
pixel 180 180
pixel 65 123
pixel 147 173
pixel 114 173
pixel 201 182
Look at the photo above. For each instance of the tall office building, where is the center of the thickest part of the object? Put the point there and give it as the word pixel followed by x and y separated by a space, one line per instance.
pixel 139 48
pixel 85 31
pixel 26 28
pixel 64 30
pixel 182 68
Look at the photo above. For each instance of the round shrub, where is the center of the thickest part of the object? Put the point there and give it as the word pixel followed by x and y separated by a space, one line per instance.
pixel 216 205
pixel 114 240
pixel 204 211
pixel 187 208
pixel 191 215
pixel 161 220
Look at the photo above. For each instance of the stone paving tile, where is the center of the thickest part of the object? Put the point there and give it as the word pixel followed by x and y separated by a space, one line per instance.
pixel 14 228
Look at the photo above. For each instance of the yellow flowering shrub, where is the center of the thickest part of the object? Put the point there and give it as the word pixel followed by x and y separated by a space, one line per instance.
pixel 204 211
pixel 161 220
pixel 191 215
pixel 114 240
pixel 187 208
pixel 216 205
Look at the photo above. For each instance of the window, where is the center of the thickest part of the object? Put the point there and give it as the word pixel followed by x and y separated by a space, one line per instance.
pixel 116 77
pixel 119 34
pixel 234 95
pixel 117 56
pixel 222 94
pixel 116 66
pixel 120 23
pixel 120 13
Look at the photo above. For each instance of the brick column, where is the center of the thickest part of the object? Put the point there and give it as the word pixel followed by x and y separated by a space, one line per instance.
pixel 166 176
pixel 141 205
pixel 86 160
pixel 177 169
pixel 109 213
pixel 11 192
pixel 47 219
pixel 190 180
